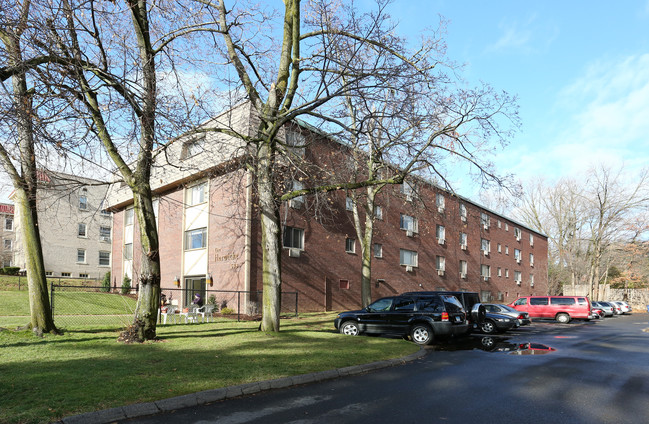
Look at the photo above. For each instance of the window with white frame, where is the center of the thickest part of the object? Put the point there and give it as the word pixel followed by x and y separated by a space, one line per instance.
pixel 485 245
pixel 65 274
pixel 499 248
pixel 196 194
pixel 293 238
pixel 407 257
pixel 408 190
pixel 517 255
pixel 102 208
pixel 463 269
pixel 463 213
pixel 408 223
pixel 485 271
pixel 531 280
pixel 104 233
pixel 128 217
pixel 81 231
pixel 83 199
pixel 349 203
pixel 531 240
pixel 298 201
pixel 297 142
pixel 193 147
pixel 506 273
pixel 350 245
pixel 506 227
pixel 440 202
pixel 506 250
pixel 196 239
pixel 500 274
pixel 378 212
pixel 8 244
pixel 104 258
pixel 500 224
pixel 463 241
pixel 9 223
pixel 82 275
pixel 517 234
pixel 440 263
pixel 81 256
pixel 440 232
pixel 128 251
pixel 485 220
pixel 531 259
pixel 517 276
pixel 378 250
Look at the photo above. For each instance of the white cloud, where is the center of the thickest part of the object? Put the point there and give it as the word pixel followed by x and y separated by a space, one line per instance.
pixel 527 37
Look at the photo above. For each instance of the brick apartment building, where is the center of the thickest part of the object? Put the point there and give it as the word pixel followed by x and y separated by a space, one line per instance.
pixel 8 234
pixel 425 239
pixel 75 227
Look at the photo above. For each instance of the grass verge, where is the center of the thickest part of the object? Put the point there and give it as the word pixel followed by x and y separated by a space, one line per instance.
pixel 46 379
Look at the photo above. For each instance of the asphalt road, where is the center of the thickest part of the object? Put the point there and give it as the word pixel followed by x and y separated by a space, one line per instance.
pixel 598 373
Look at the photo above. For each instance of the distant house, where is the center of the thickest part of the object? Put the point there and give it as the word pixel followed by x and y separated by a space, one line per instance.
pixel 75 228
pixel 8 234
pixel 425 237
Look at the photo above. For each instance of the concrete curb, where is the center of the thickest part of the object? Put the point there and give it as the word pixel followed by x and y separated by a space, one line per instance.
pixel 193 399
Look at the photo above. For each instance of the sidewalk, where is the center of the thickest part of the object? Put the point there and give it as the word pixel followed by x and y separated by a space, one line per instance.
pixel 166 405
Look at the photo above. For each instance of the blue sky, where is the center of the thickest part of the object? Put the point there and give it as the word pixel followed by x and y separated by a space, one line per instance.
pixel 580 70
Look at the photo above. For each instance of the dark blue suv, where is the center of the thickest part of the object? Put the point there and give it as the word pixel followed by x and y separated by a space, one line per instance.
pixel 423 317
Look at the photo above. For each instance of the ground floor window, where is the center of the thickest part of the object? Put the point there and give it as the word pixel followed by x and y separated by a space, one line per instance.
pixel 194 286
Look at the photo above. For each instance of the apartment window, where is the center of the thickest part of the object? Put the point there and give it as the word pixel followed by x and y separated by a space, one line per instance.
pixel 104 258
pixel 463 269
pixel 517 255
pixel 9 224
pixel 104 233
pixel 463 213
pixel 193 147
pixel 531 280
pixel 506 273
pixel 49 273
pixel 506 227
pixel 440 202
pixel 500 224
pixel 350 245
pixel 517 234
pixel 378 212
pixel 81 232
pixel 407 189
pixel 463 241
pixel 298 201
pixel 440 232
pixel 499 248
pixel 293 238
pixel 440 263
pixel 128 217
pixel 517 276
pixel 8 244
pixel 484 220
pixel 407 257
pixel 349 203
pixel 81 256
pixel 485 246
pixel 297 142
pixel 500 274
pixel 65 274
pixel 506 250
pixel 128 251
pixel 102 208
pixel 531 259
pixel 531 240
pixel 83 202
pixel 408 223
pixel 196 239
pixel 83 275
pixel 344 284
pixel 485 271
pixel 195 195
pixel 378 250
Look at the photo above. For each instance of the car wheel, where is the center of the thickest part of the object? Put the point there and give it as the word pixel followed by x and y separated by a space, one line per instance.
pixel 421 334
pixel 563 318
pixel 488 327
pixel 350 328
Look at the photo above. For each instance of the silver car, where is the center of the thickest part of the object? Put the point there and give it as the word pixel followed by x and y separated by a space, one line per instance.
pixel 522 318
pixel 608 309
pixel 624 307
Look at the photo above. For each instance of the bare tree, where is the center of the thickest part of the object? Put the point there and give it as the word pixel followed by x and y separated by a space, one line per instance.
pixel 19 160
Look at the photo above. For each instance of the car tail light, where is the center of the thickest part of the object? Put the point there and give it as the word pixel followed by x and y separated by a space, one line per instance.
pixel 444 316
pixel 521 316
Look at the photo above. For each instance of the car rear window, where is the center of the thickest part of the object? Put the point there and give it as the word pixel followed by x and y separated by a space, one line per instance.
pixel 452 304
pixel 562 300
pixel 538 301
pixel 582 301
pixel 380 305
pixel 404 304
pixel 430 304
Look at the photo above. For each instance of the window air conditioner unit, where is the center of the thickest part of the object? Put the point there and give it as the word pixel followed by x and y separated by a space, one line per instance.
pixel 294 253
pixel 408 268
pixel 440 272
pixel 462 275
pixel 463 218
pixel 409 197
pixel 104 238
pixel 485 278
pixel 518 261
pixel 518 283
pixel 410 233
pixel 441 241
pixel 440 209
pixel 485 225
pixel 531 284
pixel 486 252
pixel 463 246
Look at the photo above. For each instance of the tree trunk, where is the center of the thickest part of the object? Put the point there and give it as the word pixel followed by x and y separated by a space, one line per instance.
pixel 271 242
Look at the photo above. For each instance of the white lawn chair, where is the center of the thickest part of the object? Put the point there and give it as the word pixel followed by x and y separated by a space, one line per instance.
pixel 171 313
pixel 205 312
pixel 190 315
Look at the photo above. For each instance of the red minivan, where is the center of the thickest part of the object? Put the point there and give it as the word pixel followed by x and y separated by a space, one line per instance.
pixel 560 308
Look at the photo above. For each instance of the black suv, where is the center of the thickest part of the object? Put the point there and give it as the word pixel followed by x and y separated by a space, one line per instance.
pixel 470 301
pixel 423 316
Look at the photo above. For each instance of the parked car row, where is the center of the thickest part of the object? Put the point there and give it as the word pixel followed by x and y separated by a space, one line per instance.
pixel 428 315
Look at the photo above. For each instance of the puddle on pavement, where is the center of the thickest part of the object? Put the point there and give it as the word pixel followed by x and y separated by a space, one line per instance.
pixel 494 344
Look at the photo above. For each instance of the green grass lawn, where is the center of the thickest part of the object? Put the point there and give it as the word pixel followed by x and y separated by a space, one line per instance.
pixel 45 379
